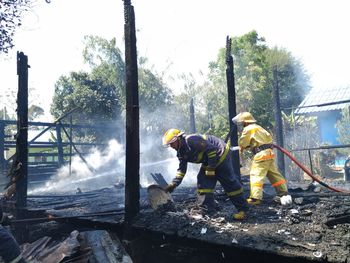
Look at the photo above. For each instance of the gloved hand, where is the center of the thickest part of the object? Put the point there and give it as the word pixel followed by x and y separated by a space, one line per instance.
pixel 170 188
pixel 5 220
pixel 235 148
pixel 209 171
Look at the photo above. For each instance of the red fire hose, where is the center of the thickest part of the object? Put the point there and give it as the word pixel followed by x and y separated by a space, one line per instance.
pixel 284 151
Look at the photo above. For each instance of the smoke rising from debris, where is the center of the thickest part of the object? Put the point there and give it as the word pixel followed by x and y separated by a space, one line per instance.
pixel 109 169
pixel 108 166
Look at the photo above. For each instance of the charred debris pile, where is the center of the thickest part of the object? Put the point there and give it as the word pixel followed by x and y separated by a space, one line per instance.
pixel 315 228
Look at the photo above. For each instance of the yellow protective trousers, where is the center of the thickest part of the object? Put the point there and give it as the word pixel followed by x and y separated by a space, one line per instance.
pixel 258 172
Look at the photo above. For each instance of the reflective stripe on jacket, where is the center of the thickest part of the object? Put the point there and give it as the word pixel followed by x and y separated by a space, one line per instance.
pixel 254 136
pixel 206 149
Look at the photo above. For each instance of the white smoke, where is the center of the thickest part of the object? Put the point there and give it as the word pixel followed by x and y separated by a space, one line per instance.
pixel 102 169
pixel 106 168
pixel 157 159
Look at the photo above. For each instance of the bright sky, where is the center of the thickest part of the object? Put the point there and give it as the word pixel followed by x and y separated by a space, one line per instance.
pixel 179 36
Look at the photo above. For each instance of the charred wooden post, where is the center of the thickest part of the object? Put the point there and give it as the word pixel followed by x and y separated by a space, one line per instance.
pixel 231 95
pixel 2 150
pixel 192 117
pixel 70 144
pixel 20 163
pixel 132 148
pixel 278 120
pixel 59 144
pixel 92 169
pixel 310 160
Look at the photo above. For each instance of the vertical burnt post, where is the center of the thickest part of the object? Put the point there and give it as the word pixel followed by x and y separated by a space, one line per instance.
pixel 59 144
pixel 2 150
pixel 231 95
pixel 21 160
pixel 132 154
pixel 192 117
pixel 70 144
pixel 278 120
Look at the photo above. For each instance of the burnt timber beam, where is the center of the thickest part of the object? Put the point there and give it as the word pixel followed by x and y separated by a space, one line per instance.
pixel 132 148
pixel 59 144
pixel 2 150
pixel 20 164
pixel 192 117
pixel 278 120
pixel 231 96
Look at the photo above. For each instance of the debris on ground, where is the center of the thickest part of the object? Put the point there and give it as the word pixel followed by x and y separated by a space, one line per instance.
pixel 315 226
pixel 88 246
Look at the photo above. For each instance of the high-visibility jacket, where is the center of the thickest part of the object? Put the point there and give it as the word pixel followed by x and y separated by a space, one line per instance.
pixel 206 149
pixel 254 136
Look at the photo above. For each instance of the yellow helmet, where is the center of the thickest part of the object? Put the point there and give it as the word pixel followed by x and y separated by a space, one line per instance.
pixel 246 117
pixel 171 136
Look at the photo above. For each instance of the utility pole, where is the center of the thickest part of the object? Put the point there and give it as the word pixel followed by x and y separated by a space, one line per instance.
pixel 278 120
pixel 231 92
pixel 132 155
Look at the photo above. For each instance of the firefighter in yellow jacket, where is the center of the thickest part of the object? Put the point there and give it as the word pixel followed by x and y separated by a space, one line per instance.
pixel 259 141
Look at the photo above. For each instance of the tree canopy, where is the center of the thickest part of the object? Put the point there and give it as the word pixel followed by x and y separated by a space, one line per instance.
pixel 253 65
pixel 100 93
pixel 10 19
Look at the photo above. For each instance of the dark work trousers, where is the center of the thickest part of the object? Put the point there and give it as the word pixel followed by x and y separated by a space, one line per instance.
pixel 9 249
pixel 225 174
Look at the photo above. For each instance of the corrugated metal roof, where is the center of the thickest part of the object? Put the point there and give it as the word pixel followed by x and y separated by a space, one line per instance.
pixel 323 96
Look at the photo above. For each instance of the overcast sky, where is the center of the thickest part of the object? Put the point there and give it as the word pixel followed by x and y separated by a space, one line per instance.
pixel 179 36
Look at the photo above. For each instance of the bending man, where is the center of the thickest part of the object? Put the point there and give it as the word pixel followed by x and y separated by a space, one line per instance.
pixel 212 153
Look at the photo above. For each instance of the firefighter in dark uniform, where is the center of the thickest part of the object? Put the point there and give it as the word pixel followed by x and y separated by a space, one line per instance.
pixel 9 248
pixel 212 153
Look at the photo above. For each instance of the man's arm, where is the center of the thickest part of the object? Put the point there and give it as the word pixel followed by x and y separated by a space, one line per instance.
pixel 180 174
pixel 244 140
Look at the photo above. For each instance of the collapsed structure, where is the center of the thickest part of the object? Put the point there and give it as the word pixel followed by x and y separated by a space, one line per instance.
pixel 315 228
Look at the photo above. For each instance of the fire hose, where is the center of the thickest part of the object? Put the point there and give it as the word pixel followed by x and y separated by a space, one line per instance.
pixel 309 173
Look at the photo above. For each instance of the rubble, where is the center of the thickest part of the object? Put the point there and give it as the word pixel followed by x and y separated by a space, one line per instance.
pixel 315 228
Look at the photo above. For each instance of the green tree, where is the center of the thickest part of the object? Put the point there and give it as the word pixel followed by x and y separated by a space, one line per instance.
pixel 10 18
pixel 100 93
pixel 253 64
pixel 96 100
pixel 34 112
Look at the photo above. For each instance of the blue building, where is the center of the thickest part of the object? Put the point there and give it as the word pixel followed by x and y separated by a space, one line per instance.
pixel 324 105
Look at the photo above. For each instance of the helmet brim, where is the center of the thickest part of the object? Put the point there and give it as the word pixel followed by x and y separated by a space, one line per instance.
pixel 250 121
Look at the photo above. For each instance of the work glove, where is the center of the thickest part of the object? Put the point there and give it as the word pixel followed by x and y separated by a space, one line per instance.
pixel 5 220
pixel 210 171
pixel 235 148
pixel 170 188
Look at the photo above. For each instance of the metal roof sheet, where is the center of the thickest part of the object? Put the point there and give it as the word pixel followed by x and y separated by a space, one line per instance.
pixel 323 96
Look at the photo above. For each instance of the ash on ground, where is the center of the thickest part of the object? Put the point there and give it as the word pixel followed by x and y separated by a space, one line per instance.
pixel 315 227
